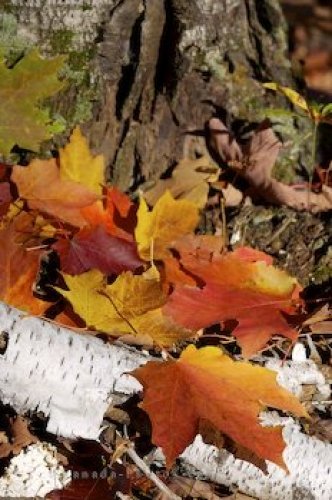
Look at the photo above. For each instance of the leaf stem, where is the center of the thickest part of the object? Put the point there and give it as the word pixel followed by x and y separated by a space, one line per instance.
pixel 313 156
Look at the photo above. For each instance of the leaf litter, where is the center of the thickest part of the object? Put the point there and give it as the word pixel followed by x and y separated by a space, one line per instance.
pixel 128 270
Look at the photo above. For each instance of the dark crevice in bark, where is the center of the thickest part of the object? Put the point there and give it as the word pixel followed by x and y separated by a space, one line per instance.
pixel 165 78
pixel 115 7
pixel 231 65
pixel 129 71
pixel 263 16
pixel 174 117
pixel 125 129
pixel 138 177
pixel 257 64
pixel 137 110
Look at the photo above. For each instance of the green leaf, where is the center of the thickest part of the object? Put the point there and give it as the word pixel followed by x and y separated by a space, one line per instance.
pixel 327 110
pixel 280 113
pixel 22 88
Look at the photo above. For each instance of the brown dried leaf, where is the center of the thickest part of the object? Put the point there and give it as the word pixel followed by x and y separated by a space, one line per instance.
pixel 190 180
pixel 21 437
pixel 320 321
pixel 254 163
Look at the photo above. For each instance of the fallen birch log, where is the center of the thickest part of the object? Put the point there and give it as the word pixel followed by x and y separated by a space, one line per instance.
pixel 73 378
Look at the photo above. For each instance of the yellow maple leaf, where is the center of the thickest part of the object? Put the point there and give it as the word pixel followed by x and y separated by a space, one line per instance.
pixel 79 165
pixel 86 299
pixel 168 220
pixel 130 305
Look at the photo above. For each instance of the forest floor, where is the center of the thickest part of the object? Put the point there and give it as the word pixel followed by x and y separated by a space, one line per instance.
pixel 162 264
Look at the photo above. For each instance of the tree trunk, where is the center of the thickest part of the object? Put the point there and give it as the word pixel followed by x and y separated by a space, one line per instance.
pixel 144 73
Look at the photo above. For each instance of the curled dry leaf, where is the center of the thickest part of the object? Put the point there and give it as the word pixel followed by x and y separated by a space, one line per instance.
pixel 190 181
pixel 320 322
pixel 207 384
pixel 254 163
pixel 21 437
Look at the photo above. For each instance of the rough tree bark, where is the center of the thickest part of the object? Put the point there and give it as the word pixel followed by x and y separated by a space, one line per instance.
pixel 154 70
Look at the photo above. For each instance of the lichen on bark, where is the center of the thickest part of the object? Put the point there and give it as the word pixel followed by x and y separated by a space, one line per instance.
pixel 58 28
pixel 143 73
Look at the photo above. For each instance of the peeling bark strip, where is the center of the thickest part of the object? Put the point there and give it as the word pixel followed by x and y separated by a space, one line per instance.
pixel 308 460
pixel 72 378
pixel 160 68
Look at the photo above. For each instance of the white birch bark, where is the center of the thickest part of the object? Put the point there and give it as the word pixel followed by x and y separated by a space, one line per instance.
pixel 73 378
pixel 33 473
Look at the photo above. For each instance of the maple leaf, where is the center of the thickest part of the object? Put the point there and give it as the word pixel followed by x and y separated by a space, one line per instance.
pixel 201 246
pixel 168 220
pixel 207 384
pixel 255 294
pixel 18 270
pixel 5 196
pixel 115 216
pixel 252 255
pixel 40 184
pixel 5 199
pixel 130 305
pixel 172 274
pixel 77 164
pixel 190 180
pixel 22 88
pixel 94 248
pixel 21 437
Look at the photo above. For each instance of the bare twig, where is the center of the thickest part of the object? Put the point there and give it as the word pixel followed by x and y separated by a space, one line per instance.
pixel 151 475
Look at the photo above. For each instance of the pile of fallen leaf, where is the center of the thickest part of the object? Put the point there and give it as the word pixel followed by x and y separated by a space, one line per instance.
pixel 84 255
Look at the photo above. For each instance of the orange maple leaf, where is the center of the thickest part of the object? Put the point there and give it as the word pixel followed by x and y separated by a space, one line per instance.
pixel 40 184
pixel 18 270
pixel 206 384
pixel 203 246
pixel 113 215
pixel 238 286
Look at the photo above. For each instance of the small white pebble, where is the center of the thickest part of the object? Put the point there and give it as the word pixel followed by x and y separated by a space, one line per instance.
pixel 299 354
